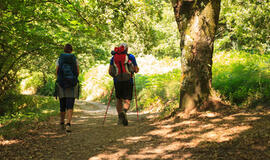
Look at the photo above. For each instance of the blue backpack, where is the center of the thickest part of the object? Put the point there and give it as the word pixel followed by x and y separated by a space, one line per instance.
pixel 67 75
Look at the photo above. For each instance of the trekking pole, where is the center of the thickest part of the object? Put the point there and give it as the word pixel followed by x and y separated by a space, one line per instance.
pixel 136 98
pixel 108 105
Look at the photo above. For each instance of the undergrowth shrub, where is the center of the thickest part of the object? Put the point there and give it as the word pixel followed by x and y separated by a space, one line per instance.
pixel 25 109
pixel 27 106
pixel 36 83
pixel 48 88
pixel 97 82
pixel 9 103
pixel 243 78
pixel 158 89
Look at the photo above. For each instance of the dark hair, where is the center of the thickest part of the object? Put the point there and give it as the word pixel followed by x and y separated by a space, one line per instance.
pixel 68 48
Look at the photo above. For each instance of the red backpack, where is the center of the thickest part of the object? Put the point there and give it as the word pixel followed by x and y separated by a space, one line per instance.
pixel 122 66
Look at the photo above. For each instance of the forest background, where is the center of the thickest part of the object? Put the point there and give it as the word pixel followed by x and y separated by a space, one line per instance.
pixel 33 34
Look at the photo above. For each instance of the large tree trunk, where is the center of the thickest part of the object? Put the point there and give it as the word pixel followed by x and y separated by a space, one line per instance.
pixel 197 22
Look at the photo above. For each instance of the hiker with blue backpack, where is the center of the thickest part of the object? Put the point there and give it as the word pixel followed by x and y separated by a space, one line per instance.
pixel 67 85
pixel 122 68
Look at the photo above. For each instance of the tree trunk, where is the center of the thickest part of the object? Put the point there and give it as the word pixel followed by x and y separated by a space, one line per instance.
pixel 197 22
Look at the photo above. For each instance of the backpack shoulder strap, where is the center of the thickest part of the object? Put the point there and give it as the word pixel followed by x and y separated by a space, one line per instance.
pixel 74 65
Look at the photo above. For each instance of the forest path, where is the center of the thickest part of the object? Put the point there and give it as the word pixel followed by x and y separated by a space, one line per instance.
pixel 228 135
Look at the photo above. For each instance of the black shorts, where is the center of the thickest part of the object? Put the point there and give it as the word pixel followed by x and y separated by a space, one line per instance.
pixel 66 103
pixel 123 89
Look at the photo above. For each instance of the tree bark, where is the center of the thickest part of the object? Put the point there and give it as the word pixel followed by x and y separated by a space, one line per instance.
pixel 197 23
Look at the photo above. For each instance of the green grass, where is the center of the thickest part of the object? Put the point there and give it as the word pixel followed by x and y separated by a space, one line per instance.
pixel 26 109
pixel 242 78
pixel 158 89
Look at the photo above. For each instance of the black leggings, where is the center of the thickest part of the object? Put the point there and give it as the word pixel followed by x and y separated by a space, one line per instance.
pixel 66 103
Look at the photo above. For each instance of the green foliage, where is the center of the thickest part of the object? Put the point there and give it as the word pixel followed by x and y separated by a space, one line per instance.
pixel 33 33
pixel 154 92
pixel 158 90
pixel 151 29
pixel 96 81
pixel 35 81
pixel 22 109
pixel 244 26
pixel 241 77
pixel 39 83
pixel 24 106
pixel 48 88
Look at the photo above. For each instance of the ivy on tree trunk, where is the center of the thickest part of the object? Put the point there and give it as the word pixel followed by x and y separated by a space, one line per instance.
pixel 197 23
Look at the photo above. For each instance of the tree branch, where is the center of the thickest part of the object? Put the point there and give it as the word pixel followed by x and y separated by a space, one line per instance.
pixel 16 61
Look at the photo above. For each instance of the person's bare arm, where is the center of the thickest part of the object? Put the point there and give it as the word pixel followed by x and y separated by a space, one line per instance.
pixel 136 69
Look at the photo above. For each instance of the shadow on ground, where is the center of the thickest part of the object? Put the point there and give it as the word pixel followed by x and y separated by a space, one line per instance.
pixel 209 135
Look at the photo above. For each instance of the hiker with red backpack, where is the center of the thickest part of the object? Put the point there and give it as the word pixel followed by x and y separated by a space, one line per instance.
pixel 67 84
pixel 122 67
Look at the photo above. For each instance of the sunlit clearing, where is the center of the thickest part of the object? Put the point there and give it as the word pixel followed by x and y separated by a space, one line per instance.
pixel 225 58
pixel 26 91
pixel 150 65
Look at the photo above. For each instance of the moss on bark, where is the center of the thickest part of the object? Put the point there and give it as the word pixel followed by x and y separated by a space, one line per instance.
pixel 197 22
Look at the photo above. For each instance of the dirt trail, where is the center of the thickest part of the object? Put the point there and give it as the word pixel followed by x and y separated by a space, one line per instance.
pixel 90 139
pixel 228 135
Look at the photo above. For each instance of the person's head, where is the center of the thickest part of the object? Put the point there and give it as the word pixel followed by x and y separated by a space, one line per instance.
pixel 68 48
pixel 125 46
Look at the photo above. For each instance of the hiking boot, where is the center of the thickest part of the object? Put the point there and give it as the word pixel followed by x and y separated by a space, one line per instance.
pixel 120 121
pixel 124 118
pixel 68 128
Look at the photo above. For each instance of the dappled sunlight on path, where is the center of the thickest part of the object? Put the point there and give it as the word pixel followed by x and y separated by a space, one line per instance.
pixel 208 135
